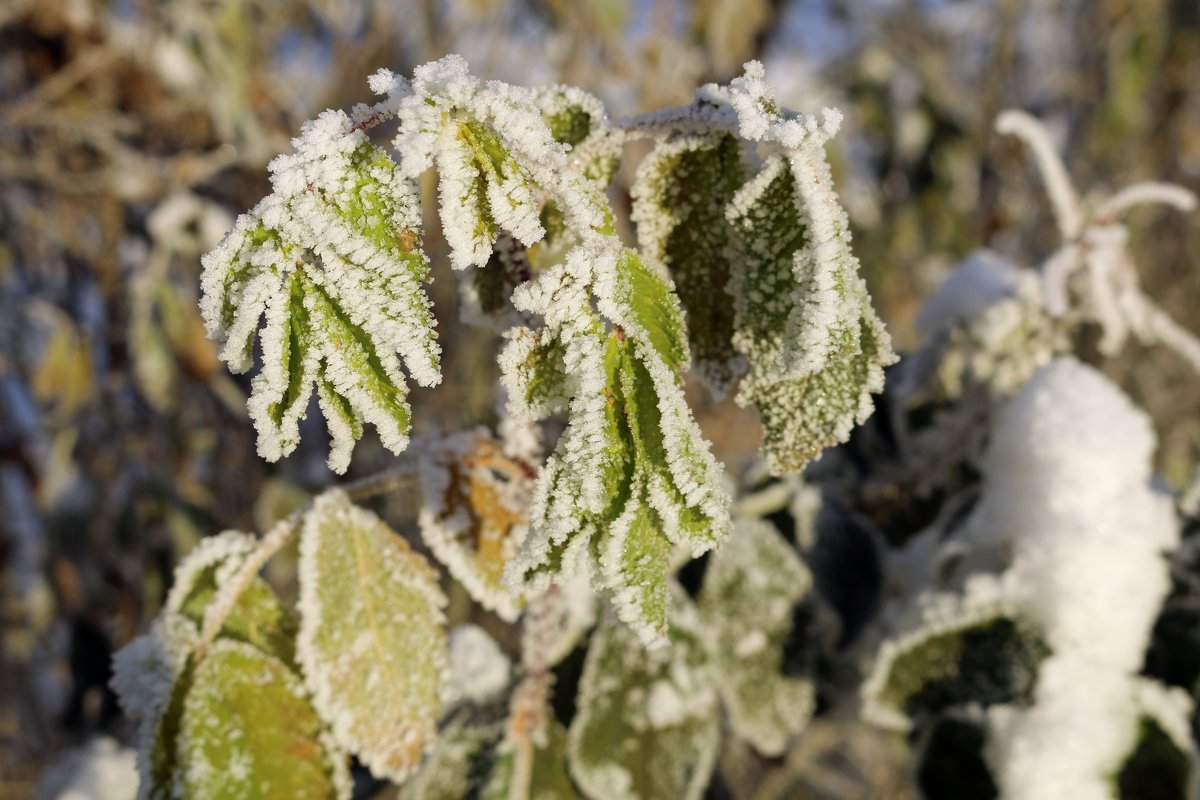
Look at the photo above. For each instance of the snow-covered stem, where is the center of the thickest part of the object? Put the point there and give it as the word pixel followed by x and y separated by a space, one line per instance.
pixel 1067 210
pixel 1168 194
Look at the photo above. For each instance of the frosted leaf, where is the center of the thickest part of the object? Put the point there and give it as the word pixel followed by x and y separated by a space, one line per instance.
pixel 632 473
pixel 372 642
pixel 679 202
pixel 534 374
pixel 332 259
pixel 146 673
pixel 492 146
pixel 646 726
pixel 472 517
pixel 801 415
pixel 247 730
pixel 577 120
pixel 955 650
pixel 751 589
pixel 258 617
pixel 548 778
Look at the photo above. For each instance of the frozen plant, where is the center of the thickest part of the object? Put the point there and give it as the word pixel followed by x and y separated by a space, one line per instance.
pixel 742 270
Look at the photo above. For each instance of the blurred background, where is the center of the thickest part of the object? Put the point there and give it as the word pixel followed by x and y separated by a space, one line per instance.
pixel 132 133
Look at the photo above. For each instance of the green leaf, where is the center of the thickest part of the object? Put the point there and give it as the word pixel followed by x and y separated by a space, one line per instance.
pixel 813 403
pixel 248 731
pixel 332 259
pixel 800 418
pixel 258 617
pixel 751 589
pixel 649 483
pixel 646 727
pixel 372 640
pixel 679 202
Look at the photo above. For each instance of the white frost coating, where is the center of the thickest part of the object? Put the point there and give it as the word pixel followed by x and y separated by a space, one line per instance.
pixel 830 295
pixel 1092 277
pixel 1068 211
pixel 479 670
pixel 759 117
pixel 1085 535
pixel 981 280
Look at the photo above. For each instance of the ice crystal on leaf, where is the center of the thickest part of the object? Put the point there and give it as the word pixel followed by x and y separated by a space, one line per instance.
pixel 276 748
pixel 647 726
pixel 332 260
pixel 371 643
pixel 751 588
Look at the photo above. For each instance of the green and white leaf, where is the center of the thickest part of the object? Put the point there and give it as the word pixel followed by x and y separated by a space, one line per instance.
pixel 647 725
pixel 802 414
pixel 247 730
pixel 679 201
pixel 751 588
pixel 632 475
pixel 258 617
pixel 372 639
pixel 332 260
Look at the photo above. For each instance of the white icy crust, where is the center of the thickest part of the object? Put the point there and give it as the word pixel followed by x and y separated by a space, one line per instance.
pixel 444 92
pixel 1092 277
pixel 448 531
pixel 479 670
pixel 378 288
pixel 571 480
pixel 758 116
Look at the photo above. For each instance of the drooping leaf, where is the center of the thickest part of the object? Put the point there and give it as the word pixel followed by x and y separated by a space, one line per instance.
pixel 247 730
pixel 646 726
pixel 632 475
pixel 372 642
pixel 679 204
pixel 332 259
pixel 472 516
pixel 751 588
pixel 807 402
